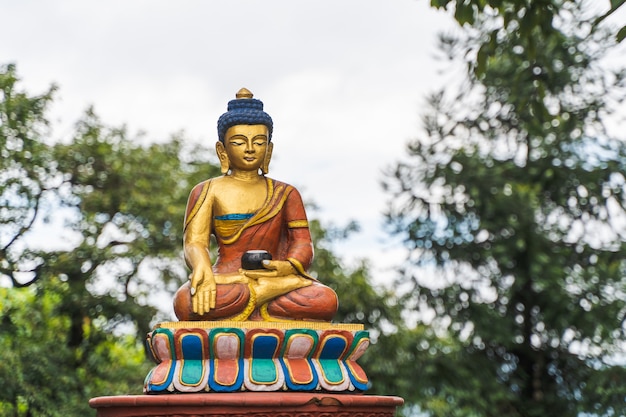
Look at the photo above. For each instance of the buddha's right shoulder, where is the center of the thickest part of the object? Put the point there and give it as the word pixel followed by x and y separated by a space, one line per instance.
pixel 207 185
pixel 197 197
pixel 198 188
pixel 199 192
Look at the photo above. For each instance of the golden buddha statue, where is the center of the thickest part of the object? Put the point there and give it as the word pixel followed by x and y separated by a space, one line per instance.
pixel 248 212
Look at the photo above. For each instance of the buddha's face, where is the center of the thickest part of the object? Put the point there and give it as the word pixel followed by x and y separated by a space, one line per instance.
pixel 247 147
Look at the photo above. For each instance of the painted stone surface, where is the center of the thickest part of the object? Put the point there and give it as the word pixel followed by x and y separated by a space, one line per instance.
pixel 232 357
pixel 248 404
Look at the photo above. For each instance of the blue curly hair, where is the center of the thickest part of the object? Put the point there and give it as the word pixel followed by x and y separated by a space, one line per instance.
pixel 244 110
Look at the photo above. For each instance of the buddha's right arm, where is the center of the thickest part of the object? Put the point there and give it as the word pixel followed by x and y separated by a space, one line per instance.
pixel 197 224
pixel 196 250
pixel 202 285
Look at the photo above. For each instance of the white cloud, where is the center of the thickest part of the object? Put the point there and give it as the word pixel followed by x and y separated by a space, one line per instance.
pixel 342 80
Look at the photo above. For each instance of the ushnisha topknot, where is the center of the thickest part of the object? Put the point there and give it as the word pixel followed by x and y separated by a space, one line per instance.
pixel 244 110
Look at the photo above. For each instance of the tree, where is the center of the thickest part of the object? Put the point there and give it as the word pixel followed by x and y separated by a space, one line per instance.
pixel 128 207
pixel 512 205
pixel 524 18
pixel 397 348
pixel 27 172
pixel 117 207
pixel 363 303
pixel 40 375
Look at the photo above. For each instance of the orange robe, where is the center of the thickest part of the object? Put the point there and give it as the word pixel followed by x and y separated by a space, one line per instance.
pixel 280 227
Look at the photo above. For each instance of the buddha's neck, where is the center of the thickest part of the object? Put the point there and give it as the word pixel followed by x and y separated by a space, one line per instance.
pixel 247 176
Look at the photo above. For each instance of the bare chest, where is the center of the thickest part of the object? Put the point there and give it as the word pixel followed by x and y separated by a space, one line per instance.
pixel 238 197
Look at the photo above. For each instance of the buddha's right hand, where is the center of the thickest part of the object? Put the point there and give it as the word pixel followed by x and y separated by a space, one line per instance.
pixel 203 290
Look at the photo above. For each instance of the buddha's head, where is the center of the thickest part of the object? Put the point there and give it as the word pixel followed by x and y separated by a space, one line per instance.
pixel 244 110
pixel 244 133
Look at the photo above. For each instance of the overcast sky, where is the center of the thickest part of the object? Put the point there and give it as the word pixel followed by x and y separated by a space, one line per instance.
pixel 343 80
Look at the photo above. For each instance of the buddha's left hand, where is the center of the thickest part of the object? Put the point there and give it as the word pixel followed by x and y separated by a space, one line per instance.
pixel 273 269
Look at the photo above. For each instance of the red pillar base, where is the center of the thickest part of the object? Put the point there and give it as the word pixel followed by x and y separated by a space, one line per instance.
pixel 248 404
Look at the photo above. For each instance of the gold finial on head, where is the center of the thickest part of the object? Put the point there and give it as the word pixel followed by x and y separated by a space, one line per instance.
pixel 243 93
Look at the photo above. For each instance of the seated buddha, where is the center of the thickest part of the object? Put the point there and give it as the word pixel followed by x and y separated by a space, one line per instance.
pixel 247 211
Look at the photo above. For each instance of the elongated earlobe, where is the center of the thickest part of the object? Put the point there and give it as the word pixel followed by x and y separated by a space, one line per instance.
pixel 223 157
pixel 224 166
pixel 265 169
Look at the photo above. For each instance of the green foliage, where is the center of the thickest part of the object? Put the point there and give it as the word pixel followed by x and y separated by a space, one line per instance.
pixel 26 170
pixel 526 20
pixel 40 376
pixel 80 301
pixel 391 359
pixel 513 207
pixel 128 203
pixel 398 350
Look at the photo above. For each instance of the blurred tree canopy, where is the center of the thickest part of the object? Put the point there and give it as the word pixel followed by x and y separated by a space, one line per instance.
pixel 513 206
pixel 527 20
pixel 88 231
pixel 90 234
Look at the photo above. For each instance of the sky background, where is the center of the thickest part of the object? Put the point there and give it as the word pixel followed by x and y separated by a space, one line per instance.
pixel 344 82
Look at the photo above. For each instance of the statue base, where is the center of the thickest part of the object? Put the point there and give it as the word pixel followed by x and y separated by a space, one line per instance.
pixel 257 356
pixel 249 404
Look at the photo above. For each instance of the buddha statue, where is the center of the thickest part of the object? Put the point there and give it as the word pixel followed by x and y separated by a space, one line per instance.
pixel 249 214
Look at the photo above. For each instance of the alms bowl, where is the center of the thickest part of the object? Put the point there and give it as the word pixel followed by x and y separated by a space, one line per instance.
pixel 253 259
